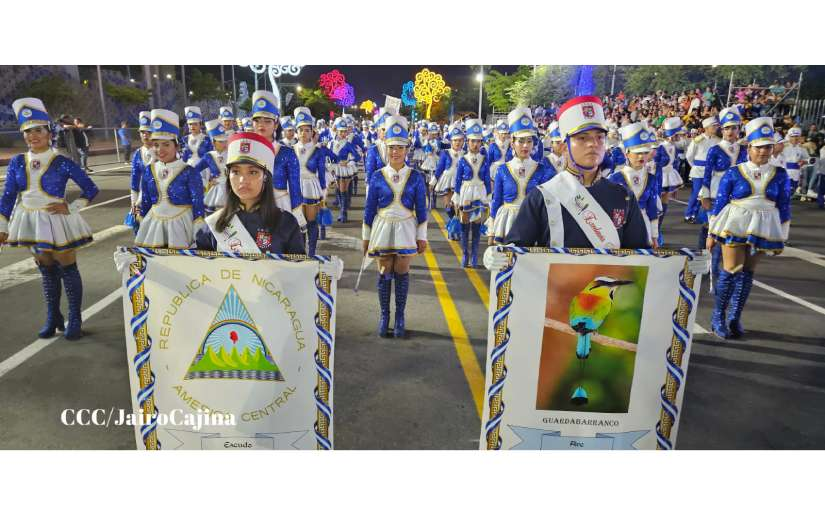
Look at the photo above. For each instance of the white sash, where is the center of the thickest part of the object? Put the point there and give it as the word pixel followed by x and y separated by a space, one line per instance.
pixel 234 238
pixel 565 190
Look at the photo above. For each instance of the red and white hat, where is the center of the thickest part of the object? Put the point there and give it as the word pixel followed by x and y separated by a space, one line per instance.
pixel 251 148
pixel 580 114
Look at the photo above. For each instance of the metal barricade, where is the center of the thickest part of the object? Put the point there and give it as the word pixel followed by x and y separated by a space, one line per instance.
pixel 73 142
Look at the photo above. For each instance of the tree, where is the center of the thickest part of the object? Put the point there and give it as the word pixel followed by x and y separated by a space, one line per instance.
pixel 127 95
pixel 496 84
pixel 53 90
pixel 317 101
pixel 547 83
pixel 204 86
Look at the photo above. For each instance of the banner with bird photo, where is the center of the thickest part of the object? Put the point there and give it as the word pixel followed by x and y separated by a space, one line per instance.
pixel 587 350
pixel 229 352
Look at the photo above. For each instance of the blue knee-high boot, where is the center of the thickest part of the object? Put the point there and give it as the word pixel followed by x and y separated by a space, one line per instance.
pixel 51 292
pixel 347 203
pixel 724 290
pixel 402 287
pixel 737 303
pixel 661 221
pixel 703 236
pixel 353 185
pixel 476 228
pixel 74 294
pixel 465 236
pixel 312 237
pixel 715 261
pixel 384 291
pixel 339 200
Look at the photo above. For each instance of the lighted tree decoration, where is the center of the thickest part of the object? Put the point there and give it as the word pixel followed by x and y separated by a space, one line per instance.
pixel 429 88
pixel 408 94
pixel 330 81
pixel 367 106
pixel 344 95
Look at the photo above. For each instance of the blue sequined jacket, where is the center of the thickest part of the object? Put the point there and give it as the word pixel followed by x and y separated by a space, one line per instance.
pixel 464 172
pixel 287 171
pixel 203 148
pixel 734 185
pixel 138 167
pixel 506 187
pixel 413 197
pixel 719 161
pixel 647 199
pixel 185 189
pixel 52 182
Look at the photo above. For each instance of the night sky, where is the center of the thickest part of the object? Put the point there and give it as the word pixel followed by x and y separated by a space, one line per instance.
pixel 369 81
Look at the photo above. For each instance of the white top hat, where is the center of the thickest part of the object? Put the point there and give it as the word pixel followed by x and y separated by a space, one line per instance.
pixel 521 122
pixel 759 131
pixel 30 112
pixel 192 114
pixel 250 148
pixel 709 121
pixel 672 125
pixel 165 124
pixel 215 130
pixel 265 104
pixel 397 130
pixel 636 137
pixel 581 114
pixel 226 113
pixel 794 131
pixel 474 129
pixel 303 116
pixel 145 120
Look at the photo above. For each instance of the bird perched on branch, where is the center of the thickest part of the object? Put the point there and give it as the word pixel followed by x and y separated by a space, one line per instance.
pixel 588 310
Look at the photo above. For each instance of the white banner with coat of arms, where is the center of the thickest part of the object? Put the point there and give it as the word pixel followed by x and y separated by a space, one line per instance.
pixel 229 352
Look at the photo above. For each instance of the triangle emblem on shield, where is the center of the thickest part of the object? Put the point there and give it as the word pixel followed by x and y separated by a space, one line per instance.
pixel 233 348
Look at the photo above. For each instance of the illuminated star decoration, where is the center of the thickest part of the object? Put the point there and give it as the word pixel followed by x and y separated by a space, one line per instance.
pixel 429 88
pixel 407 94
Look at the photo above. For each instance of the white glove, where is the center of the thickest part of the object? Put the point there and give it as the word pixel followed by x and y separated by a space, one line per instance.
pixel 123 259
pixel 700 265
pixel 133 195
pixel 76 205
pixel 495 260
pixel 334 268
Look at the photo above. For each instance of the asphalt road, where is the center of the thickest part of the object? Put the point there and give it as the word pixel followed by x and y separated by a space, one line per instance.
pixel 766 391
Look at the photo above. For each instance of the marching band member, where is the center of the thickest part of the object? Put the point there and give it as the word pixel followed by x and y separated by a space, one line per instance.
pixel 498 148
pixel 556 145
pixel 196 144
pixel 395 223
pixel 614 148
pixel 667 163
pixel 571 209
pixel 171 206
pixel 721 157
pixel 777 156
pixel 345 155
pixel 796 157
pixel 228 120
pixel 376 158
pixel 355 139
pixel 696 156
pixel 141 158
pixel 324 134
pixel 751 216
pixel 286 172
pixel 34 213
pixel 432 148
pixel 444 176
pixel 288 131
pixel 516 178
pixel 312 158
pixel 251 221
pixel 473 186
pixel 637 178
pixel 367 134
pixel 213 167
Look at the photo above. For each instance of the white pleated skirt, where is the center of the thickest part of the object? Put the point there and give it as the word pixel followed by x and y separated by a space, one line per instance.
pixel 215 197
pixel 39 229
pixel 445 182
pixel 311 190
pixel 504 221
pixel 392 235
pixel 167 226
pixel 671 180
pixel 750 221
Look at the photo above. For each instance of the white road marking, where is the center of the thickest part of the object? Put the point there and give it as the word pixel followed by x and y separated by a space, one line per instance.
pixel 29 351
pixel 782 293
pixel 26 270
pixel 698 330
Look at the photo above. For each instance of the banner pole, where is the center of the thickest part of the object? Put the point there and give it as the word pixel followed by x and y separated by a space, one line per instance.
pixel 137 296
pixel 497 357
pixel 322 362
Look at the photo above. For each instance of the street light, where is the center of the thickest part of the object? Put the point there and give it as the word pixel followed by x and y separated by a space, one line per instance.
pixel 480 79
pixel 190 93
pixel 131 80
pixel 168 75
pixel 155 75
pixel 298 88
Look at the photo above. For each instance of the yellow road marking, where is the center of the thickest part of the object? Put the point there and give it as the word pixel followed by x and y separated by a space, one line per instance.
pixel 481 288
pixel 466 355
